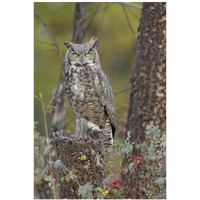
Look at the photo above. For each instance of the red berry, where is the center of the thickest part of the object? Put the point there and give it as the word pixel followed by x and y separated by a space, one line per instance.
pixel 138 158
pixel 146 179
pixel 133 158
pixel 123 170
pixel 119 181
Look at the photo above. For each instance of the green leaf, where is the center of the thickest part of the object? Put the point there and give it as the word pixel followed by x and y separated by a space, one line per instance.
pixel 36 150
pixel 62 178
pixel 67 178
pixel 160 181
pixel 48 141
pixel 45 170
pixel 100 189
pixel 83 157
pixel 47 149
pixel 97 159
pixel 85 190
pixel 76 171
pixel 71 176
pixel 47 178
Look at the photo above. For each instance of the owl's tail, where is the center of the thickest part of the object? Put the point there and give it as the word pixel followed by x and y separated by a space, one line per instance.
pixel 108 136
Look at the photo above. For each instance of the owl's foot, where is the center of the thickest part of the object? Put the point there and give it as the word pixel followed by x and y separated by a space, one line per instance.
pixel 96 133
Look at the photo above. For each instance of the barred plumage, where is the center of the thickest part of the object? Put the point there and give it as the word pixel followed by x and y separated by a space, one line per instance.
pixel 88 88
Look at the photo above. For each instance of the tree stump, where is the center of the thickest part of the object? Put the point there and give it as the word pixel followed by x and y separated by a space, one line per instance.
pixel 79 162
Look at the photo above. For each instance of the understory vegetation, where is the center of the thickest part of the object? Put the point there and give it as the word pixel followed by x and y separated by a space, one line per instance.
pixel 146 172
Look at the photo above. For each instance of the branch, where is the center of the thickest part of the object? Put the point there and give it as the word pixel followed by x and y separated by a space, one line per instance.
pixel 129 23
pixel 100 10
pixel 51 35
pixel 121 91
pixel 51 170
pixel 43 42
pixel 79 19
pixel 93 15
pixel 69 122
pixel 131 4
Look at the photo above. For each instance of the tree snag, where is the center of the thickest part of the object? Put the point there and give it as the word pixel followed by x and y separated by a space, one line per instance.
pixel 80 161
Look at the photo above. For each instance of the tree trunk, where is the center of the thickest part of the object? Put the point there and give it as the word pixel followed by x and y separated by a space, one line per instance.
pixel 147 103
pixel 79 18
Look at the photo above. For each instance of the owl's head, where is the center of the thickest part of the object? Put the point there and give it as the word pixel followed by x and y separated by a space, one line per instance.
pixel 82 54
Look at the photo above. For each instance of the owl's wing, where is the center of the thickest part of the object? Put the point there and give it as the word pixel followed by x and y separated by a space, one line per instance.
pixel 107 100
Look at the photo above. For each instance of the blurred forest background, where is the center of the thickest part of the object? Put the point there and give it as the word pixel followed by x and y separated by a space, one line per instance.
pixel 115 25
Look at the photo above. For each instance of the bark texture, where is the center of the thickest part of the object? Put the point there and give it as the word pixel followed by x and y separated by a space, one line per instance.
pixel 147 103
pixel 59 104
pixel 79 18
pixel 83 157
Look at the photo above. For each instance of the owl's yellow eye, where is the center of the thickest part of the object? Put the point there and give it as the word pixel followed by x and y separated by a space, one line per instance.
pixel 88 54
pixel 75 54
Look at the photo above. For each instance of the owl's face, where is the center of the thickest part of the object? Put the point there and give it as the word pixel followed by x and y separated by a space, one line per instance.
pixel 82 54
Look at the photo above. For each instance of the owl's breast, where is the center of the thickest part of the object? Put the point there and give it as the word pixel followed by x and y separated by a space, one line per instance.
pixel 84 93
pixel 77 87
pixel 82 82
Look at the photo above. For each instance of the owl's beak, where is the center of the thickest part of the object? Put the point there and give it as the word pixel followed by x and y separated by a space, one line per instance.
pixel 81 60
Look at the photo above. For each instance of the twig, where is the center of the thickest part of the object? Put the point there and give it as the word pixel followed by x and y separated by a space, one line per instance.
pixel 104 12
pixel 52 172
pixel 93 15
pixel 69 122
pixel 127 17
pixel 51 35
pixel 49 50
pixel 41 32
pixel 43 42
pixel 131 4
pixel 74 176
pixel 121 91
pixel 103 9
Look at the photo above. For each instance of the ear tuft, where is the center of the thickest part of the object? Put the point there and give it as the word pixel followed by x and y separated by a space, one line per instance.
pixel 67 44
pixel 95 42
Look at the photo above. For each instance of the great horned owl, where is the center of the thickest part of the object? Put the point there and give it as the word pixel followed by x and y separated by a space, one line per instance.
pixel 88 88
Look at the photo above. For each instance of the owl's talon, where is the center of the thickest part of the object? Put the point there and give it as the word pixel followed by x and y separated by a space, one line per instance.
pixel 95 133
